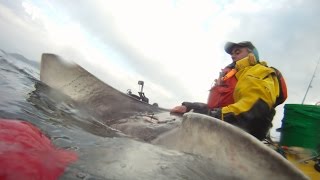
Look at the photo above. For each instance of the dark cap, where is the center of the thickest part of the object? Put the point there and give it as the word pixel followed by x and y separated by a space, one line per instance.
pixel 230 45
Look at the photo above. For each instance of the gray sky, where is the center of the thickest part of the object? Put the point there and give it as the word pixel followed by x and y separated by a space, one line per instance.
pixel 175 46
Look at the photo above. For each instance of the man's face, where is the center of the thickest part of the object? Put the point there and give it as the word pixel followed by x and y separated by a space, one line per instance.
pixel 238 53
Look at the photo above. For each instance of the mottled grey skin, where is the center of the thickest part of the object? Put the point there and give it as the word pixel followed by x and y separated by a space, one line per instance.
pixel 229 146
pixel 197 147
pixel 112 107
pixel 83 87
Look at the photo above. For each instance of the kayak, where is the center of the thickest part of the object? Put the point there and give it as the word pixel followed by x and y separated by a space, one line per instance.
pixel 307 160
pixel 233 153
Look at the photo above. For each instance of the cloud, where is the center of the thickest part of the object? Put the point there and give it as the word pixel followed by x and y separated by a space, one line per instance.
pixel 157 40
pixel 17 34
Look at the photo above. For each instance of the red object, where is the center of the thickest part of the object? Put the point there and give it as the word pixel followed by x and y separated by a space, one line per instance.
pixel 222 95
pixel 26 153
pixel 283 94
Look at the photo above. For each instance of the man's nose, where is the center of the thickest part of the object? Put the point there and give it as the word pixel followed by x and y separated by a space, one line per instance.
pixel 233 57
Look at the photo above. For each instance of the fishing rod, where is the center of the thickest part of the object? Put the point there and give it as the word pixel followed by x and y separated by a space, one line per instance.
pixel 309 86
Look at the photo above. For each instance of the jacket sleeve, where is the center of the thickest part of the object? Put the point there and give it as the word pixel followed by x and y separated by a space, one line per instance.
pixel 255 83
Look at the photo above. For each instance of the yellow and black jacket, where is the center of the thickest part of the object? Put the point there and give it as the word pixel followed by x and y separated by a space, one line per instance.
pixel 254 97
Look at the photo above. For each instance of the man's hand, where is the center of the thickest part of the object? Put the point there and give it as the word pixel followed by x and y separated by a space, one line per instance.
pixel 197 107
pixel 179 109
pixel 188 106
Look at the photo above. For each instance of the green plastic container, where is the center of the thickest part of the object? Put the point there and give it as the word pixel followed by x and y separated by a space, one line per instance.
pixel 301 126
